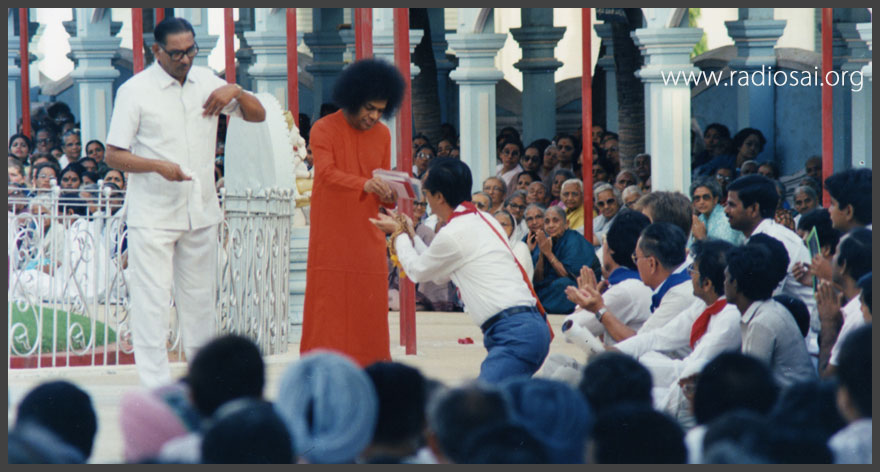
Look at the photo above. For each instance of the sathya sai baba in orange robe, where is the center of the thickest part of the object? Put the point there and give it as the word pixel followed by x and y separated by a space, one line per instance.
pixel 346 301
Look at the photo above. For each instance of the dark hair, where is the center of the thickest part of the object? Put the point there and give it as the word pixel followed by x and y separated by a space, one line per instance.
pixel 84 159
pixel 798 310
pixel 171 25
pixel 710 258
pixel 778 262
pixel 503 443
pixel 733 380
pixel 638 434
pixel 724 131
pixel 74 167
pixel 460 412
pixel 855 252
pixel 427 146
pixel 865 285
pixel 747 266
pixel 666 242
pixel 452 178
pixel 671 207
pixel 65 410
pixel 820 218
pixel 852 187
pixel 94 141
pixel 744 133
pixel 366 80
pixel 854 368
pixel 52 164
pixel 535 177
pixel 508 131
pixel 575 142
pixel 540 144
pixel 613 378
pixel 735 427
pixel 226 368
pixel 122 174
pixel 27 140
pixel 774 169
pixel 505 140
pixel 327 108
pixel 755 188
pixel 623 235
pixel 605 164
pixel 402 397
pixel 247 431
pixel 810 406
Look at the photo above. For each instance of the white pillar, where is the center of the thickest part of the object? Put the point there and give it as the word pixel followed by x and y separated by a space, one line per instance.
pixel 269 44
pixel 476 76
pixel 93 49
pixel 383 48
pixel 667 107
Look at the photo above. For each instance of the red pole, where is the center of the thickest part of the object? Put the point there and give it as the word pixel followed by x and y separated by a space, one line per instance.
pixel 25 72
pixel 587 122
pixel 159 14
pixel 404 163
pixel 363 33
pixel 228 38
pixel 827 106
pixel 137 39
pixel 292 72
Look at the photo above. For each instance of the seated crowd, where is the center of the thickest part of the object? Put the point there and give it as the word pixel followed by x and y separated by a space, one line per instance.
pixel 732 327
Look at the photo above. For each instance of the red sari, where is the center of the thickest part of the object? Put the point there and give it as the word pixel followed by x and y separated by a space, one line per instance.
pixel 346 300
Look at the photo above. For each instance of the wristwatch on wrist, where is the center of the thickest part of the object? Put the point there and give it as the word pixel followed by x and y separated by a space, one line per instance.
pixel 600 313
pixel 240 90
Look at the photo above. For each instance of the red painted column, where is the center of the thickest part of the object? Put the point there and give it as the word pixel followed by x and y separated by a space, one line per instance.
pixel 137 39
pixel 404 163
pixel 363 33
pixel 827 106
pixel 587 122
pixel 25 72
pixel 159 13
pixel 292 72
pixel 228 39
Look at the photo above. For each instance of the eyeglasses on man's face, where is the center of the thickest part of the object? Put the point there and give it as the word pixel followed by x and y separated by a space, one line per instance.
pixel 420 204
pixel 177 55
pixel 604 203
pixel 425 155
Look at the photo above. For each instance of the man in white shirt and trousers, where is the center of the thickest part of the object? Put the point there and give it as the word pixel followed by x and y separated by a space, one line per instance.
pixel 163 132
pixel 473 252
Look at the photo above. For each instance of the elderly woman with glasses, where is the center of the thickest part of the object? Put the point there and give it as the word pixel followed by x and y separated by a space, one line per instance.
pixel 608 202
pixel 558 257
pixel 516 206
pixel 709 218
pixel 496 188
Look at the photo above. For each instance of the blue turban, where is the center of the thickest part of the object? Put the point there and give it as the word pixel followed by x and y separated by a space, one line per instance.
pixel 554 413
pixel 330 407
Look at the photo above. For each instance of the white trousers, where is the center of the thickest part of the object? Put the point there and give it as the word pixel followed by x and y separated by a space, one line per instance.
pixel 166 264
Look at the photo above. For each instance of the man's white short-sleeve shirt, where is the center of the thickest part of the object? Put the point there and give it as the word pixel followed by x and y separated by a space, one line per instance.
pixel 157 117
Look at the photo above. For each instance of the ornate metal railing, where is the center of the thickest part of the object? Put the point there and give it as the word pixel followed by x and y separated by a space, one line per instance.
pixel 67 293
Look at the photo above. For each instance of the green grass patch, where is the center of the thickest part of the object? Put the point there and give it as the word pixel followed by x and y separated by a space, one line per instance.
pixel 30 316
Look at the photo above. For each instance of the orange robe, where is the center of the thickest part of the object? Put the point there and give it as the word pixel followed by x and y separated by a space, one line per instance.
pixel 346 300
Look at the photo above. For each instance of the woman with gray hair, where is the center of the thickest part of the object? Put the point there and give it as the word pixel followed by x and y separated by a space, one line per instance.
pixel 805 200
pixel 709 218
